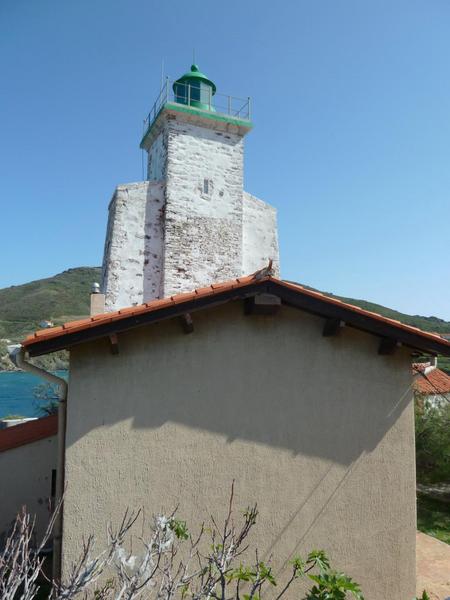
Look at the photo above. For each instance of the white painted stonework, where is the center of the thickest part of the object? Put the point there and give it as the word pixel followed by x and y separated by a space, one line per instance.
pixel 133 255
pixel 157 158
pixel 203 233
pixel 191 223
pixel 259 235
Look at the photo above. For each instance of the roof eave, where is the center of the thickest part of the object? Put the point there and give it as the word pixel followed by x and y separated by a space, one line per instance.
pixel 290 295
pixel 416 340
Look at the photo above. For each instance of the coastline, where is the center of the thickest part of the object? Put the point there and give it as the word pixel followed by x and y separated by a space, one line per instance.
pixel 23 393
pixel 58 361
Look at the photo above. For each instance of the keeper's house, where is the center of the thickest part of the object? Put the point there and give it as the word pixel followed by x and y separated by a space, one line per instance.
pixel 306 402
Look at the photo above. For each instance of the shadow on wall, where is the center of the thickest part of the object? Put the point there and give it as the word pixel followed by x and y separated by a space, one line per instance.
pixel 273 381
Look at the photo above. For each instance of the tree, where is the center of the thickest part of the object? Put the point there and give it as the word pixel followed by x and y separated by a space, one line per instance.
pixel 46 399
pixel 432 441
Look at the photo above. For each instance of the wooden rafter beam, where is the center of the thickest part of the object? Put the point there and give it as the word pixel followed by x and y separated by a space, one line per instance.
pixel 388 346
pixel 114 343
pixel 187 323
pixel 332 327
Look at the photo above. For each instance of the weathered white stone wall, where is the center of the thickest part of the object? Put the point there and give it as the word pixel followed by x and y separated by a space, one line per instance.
pixel 157 158
pixel 132 263
pixel 203 229
pixel 259 235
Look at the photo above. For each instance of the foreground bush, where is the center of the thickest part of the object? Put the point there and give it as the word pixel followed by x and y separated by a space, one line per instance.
pixel 172 563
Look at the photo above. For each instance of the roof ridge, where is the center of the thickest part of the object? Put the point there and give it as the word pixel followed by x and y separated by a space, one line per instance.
pixel 259 277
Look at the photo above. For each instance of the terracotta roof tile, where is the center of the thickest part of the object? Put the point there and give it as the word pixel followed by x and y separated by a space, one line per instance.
pixel 218 286
pixel 80 326
pixel 100 317
pixel 154 304
pixel 44 332
pixel 433 382
pixel 204 291
pixel 248 278
pixel 72 324
pixel 183 297
pixel 126 311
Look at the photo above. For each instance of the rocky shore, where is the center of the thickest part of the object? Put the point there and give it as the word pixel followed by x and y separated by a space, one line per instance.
pixel 51 362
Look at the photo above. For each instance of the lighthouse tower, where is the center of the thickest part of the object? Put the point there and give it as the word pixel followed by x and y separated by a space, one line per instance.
pixel 190 223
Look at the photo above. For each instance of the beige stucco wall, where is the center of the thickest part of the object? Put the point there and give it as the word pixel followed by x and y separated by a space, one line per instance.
pixel 25 479
pixel 318 430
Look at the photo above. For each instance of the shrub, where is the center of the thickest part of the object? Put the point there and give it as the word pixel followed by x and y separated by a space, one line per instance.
pixel 172 563
pixel 432 442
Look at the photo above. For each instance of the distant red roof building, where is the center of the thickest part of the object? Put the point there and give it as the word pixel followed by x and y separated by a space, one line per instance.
pixel 28 432
pixel 430 381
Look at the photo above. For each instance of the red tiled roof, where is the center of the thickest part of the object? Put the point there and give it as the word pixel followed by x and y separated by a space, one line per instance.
pixel 72 326
pixel 25 433
pixel 211 291
pixel 431 383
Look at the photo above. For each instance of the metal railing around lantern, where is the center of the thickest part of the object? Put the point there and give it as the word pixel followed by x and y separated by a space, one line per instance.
pixel 200 98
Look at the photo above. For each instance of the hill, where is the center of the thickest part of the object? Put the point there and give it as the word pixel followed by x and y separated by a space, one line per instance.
pixel 61 298
pixel 65 297
pixel 433 324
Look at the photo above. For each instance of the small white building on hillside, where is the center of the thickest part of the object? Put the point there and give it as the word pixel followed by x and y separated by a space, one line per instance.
pixel 431 384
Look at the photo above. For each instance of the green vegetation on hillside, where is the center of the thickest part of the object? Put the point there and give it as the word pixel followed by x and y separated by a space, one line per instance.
pixel 433 324
pixel 64 297
pixel 60 298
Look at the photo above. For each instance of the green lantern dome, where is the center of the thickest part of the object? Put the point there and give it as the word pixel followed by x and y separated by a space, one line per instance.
pixel 194 89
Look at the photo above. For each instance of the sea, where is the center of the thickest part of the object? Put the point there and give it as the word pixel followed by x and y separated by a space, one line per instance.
pixel 18 393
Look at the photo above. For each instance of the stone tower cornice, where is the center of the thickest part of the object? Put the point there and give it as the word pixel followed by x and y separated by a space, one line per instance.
pixel 195 116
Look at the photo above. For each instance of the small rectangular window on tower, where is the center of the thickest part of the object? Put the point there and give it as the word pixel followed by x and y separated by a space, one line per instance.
pixel 206 186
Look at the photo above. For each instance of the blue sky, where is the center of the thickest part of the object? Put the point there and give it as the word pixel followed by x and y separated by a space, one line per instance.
pixel 351 140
